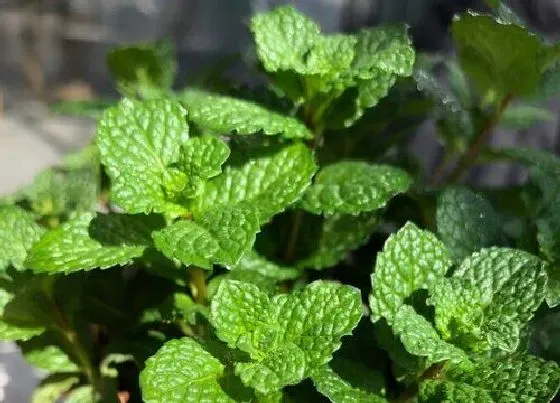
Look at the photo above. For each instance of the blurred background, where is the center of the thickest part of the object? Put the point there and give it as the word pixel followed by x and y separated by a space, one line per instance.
pixel 55 50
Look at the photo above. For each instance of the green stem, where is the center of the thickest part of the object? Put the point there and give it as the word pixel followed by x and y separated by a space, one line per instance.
pixel 409 394
pixel 314 118
pixel 468 158
pixel 70 336
pixel 198 284
pixel 294 235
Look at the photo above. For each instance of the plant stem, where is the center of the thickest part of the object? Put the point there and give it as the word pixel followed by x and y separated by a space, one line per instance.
pixel 298 217
pixel 70 336
pixel 198 284
pixel 294 235
pixel 440 168
pixel 410 393
pixel 467 159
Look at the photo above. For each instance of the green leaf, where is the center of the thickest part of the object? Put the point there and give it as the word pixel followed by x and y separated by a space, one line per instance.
pixel 252 262
pixel 271 182
pixel 86 108
pixel 412 259
pixel 385 48
pixel 13 326
pixel 339 236
pixel 351 187
pixel 381 56
pixel 552 295
pixel 501 59
pixel 204 156
pixel 512 284
pixel 458 311
pixel 466 222
pixel 449 392
pixel 517 377
pixel 43 352
pixel 524 117
pixel 226 115
pixel 72 186
pixel 51 389
pixel 284 38
pixel 549 85
pixel 548 235
pixel 338 390
pixel 18 232
pixel 287 336
pixel 217 236
pixel 138 141
pixel 284 365
pixel 85 243
pixel 336 53
pixel 142 69
pixel 182 371
pixel 254 269
pixel 420 338
pixel 454 121
pixel 82 394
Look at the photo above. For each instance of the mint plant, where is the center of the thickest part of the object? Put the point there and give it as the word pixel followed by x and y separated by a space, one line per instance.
pixel 222 243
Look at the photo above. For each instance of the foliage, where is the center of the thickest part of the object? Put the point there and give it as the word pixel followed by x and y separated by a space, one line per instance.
pixel 278 243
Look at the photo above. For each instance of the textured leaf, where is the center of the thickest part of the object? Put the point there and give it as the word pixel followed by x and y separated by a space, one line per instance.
pixel 42 352
pixel 284 38
pixel 182 371
pixel 271 182
pixel 138 141
pixel 258 271
pixel 412 259
pixel 354 187
pixel 142 68
pixel 520 378
pixel 226 115
pixel 502 58
pixel 370 60
pixel 458 311
pixel 381 56
pixel 286 336
pixel 252 262
pixel 18 232
pixel 58 191
pixel 449 392
pixel 85 243
pixel 466 222
pixel 420 338
pixel 282 366
pixel 51 389
pixel 336 53
pixel 202 158
pixel 384 48
pixel 338 390
pixel 453 117
pixel 217 236
pixel 512 284
pixel 339 236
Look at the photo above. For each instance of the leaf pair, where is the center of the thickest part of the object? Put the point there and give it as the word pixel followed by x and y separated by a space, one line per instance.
pixel 292 47
pixel 287 337
pixel 481 307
